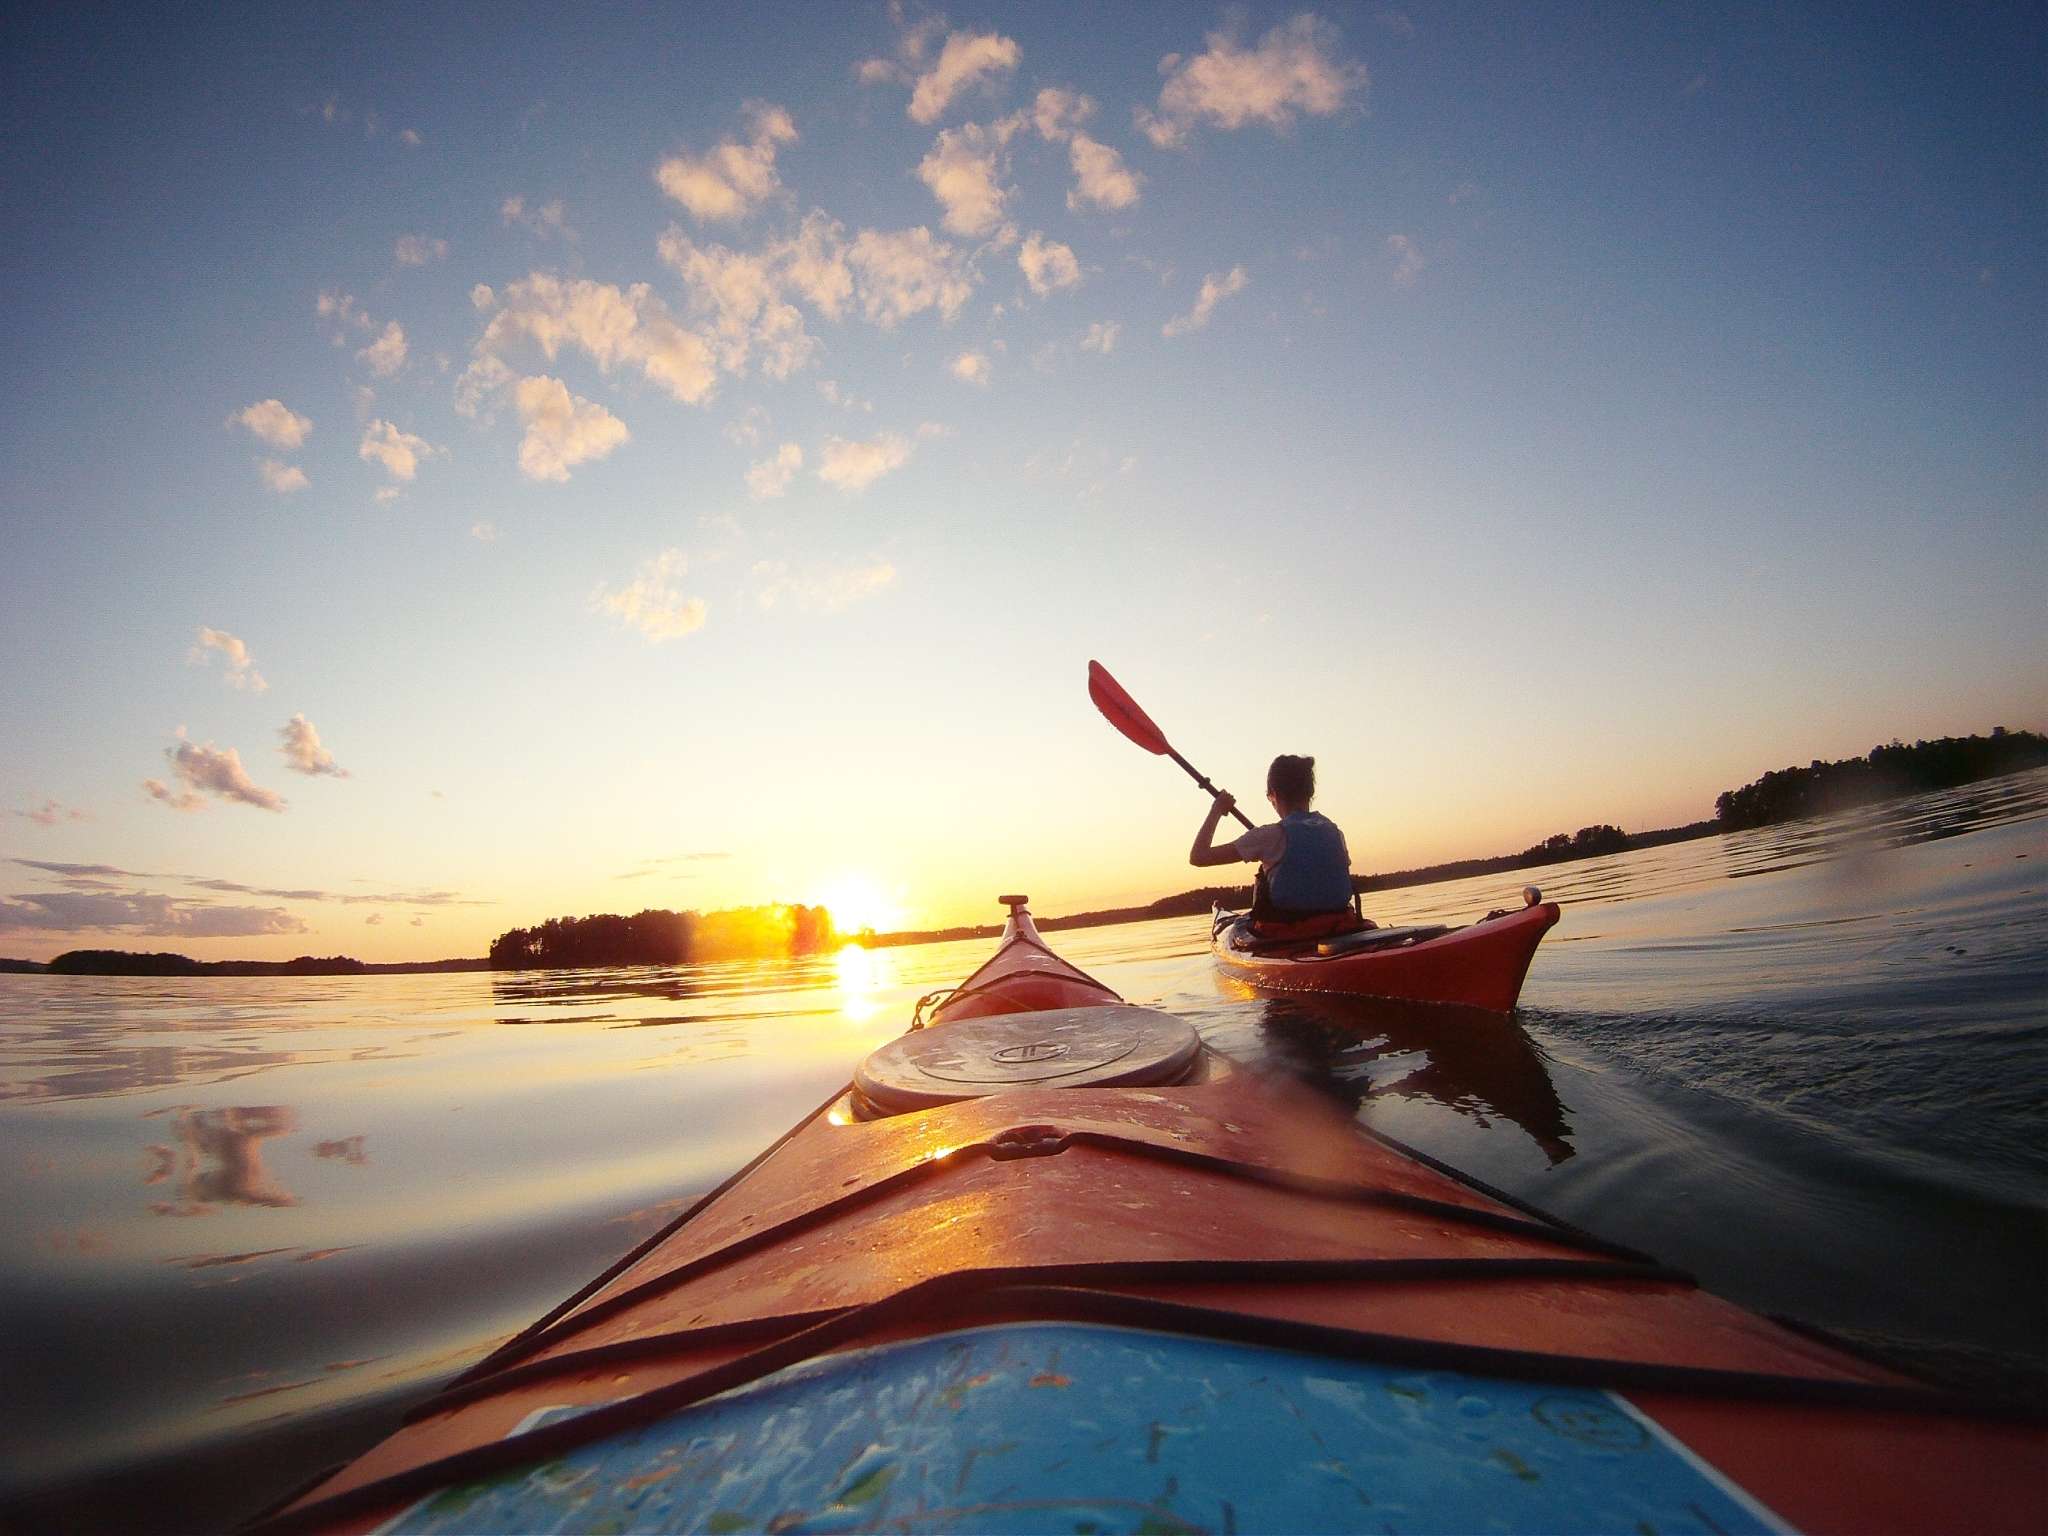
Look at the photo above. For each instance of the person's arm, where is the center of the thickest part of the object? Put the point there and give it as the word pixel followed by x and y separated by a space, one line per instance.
pixel 1206 852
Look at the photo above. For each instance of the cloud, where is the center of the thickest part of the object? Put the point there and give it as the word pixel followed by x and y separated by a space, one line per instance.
pixel 373 919
pixel 78 870
pixel 653 603
pixel 241 667
pixel 740 297
pixel 303 752
pixel 1047 264
pixel 771 477
pixel 813 262
pixel 906 273
pixel 615 327
pixel 397 452
pixel 211 771
pixel 820 590
pixel 733 178
pixel 410 138
pixel 543 219
pixel 483 532
pixel 342 309
pixel 281 477
pixel 418 250
pixel 1293 69
pixel 419 922
pixel 1216 287
pixel 1408 260
pixel 386 355
pixel 1100 175
pixel 964 171
pixel 966 58
pixel 274 424
pixel 238 888
pixel 970 368
pixel 140 912
pixel 851 466
pixel 48 814
pixel 562 429
pixel 1102 337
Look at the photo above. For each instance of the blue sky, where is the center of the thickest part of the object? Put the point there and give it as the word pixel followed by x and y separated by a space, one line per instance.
pixel 679 458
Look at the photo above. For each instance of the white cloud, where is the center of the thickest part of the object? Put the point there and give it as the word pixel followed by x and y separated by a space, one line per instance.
pixel 970 368
pixel 480 385
pixel 209 770
pixel 543 219
pixel 51 812
pixel 142 912
pixel 740 297
pixel 964 172
pixel 483 532
pixel 399 453
pixel 384 495
pixel 618 328
pixel 1408 260
pixel 1047 264
pixel 1100 175
pixel 274 424
pixel 410 138
pixel 814 264
pixel 418 250
pixel 386 355
pixel 966 59
pixel 653 603
pixel 1216 287
pixel 281 477
pixel 1102 337
pixel 342 309
pixel 854 466
pixel 733 178
pixel 303 752
pixel 905 273
pixel 771 477
pixel 1294 68
pixel 821 590
pixel 241 666
pixel 1056 113
pixel 562 429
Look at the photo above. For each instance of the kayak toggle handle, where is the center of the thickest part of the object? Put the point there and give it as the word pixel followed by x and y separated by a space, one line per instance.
pixel 1530 895
pixel 1013 902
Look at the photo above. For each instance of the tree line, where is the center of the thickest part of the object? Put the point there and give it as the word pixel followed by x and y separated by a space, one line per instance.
pixel 1891 770
pixel 658 936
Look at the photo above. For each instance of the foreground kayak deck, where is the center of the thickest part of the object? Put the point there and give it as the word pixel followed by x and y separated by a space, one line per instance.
pixel 1481 965
pixel 1200 1303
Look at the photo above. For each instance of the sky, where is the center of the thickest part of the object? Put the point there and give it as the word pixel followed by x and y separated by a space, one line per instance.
pixel 467 465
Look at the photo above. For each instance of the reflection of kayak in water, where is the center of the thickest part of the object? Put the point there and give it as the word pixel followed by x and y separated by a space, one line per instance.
pixel 1481 1066
pixel 1063 1267
pixel 1480 965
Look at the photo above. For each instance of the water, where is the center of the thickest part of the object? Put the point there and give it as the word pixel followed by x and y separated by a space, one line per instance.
pixel 251 1219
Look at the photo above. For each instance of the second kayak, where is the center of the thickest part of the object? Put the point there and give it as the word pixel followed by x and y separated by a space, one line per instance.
pixel 1481 965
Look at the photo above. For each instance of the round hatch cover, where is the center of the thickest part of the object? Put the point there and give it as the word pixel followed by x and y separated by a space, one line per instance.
pixel 1052 1048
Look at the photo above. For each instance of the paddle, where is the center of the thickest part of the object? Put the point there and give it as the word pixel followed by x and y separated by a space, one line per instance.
pixel 1122 711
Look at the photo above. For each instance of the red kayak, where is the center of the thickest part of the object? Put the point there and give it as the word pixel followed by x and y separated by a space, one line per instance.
pixel 1051 1264
pixel 1480 965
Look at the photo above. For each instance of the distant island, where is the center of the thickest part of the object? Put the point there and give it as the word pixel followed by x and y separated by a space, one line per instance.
pixel 662 937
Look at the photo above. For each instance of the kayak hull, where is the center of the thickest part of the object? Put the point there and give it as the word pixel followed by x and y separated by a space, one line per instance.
pixel 1481 965
pixel 1205 1304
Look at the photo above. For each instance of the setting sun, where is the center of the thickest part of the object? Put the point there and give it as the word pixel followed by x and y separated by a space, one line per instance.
pixel 858 903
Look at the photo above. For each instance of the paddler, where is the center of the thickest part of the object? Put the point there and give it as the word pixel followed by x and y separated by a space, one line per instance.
pixel 1304 881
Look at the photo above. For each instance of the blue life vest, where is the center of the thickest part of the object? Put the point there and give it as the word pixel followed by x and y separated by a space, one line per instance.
pixel 1314 874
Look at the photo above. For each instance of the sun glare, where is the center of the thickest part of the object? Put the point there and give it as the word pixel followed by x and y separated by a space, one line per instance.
pixel 858 903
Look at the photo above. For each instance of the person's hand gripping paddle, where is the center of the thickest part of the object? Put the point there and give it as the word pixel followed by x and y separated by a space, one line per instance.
pixel 1122 711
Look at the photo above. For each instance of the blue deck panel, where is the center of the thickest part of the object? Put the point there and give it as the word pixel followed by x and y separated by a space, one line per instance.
pixel 1068 1428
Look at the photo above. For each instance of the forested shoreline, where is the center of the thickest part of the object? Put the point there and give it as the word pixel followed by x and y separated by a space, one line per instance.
pixel 659 936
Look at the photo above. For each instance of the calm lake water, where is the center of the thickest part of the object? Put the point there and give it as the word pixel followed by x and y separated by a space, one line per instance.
pixel 249 1220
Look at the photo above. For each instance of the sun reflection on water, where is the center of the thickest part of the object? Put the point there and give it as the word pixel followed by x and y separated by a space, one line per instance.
pixel 863 976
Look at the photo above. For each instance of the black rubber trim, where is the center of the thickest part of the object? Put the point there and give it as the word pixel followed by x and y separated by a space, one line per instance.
pixel 1106 1272
pixel 947 1303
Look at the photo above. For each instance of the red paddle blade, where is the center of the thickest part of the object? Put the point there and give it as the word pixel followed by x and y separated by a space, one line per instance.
pixel 1122 711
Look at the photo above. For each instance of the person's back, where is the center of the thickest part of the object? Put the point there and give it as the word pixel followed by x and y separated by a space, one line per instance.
pixel 1304 863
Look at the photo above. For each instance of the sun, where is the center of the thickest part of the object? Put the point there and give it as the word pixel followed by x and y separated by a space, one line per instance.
pixel 857 903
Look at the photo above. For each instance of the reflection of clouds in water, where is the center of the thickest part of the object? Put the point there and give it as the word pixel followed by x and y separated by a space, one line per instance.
pixel 221 1158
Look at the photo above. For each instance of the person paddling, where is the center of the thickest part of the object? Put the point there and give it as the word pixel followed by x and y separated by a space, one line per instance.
pixel 1304 880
